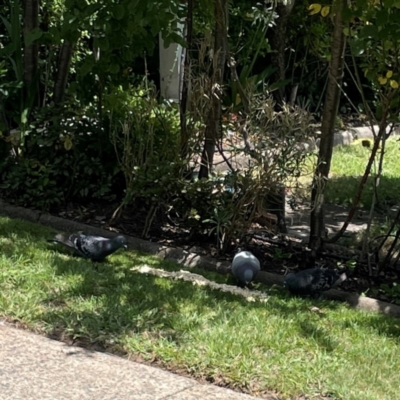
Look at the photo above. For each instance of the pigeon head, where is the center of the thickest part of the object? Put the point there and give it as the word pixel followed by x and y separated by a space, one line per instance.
pixel 289 279
pixel 121 241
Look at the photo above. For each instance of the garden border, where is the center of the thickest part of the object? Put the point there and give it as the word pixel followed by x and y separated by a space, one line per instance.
pixel 186 258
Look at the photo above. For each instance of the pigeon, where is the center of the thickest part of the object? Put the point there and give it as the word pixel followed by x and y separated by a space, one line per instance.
pixel 245 266
pixel 313 281
pixel 96 248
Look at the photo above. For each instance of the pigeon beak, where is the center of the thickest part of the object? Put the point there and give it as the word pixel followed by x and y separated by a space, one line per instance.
pixel 125 246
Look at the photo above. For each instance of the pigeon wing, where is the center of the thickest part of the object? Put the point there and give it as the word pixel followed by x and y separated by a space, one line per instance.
pixel 304 283
pixel 63 239
pixel 95 247
pixel 326 279
pixel 78 240
pixel 85 245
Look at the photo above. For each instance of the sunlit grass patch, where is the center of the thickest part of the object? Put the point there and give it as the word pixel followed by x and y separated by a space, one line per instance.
pixel 277 345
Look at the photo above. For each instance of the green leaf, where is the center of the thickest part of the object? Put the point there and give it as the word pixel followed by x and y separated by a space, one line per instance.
pixel 119 12
pixel 24 116
pixel 382 17
pixel 68 143
pixel 87 66
pixel 102 43
pixel 32 36
pixel 133 5
pixel 7 25
pixel 114 68
pixel 370 31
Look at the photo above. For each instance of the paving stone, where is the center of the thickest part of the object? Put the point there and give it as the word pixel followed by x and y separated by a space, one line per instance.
pixel 37 368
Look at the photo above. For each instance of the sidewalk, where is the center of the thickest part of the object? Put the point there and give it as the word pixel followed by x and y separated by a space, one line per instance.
pixel 33 367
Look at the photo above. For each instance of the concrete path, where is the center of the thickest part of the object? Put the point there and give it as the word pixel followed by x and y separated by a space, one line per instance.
pixel 298 221
pixel 33 367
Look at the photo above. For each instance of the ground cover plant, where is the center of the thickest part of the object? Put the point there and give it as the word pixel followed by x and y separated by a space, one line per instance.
pixel 280 345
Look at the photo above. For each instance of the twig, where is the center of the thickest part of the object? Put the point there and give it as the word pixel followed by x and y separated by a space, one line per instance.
pixel 389 234
pixel 393 245
pixel 220 150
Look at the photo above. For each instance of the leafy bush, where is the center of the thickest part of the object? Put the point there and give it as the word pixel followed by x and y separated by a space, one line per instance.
pixel 31 182
pixel 145 135
pixel 276 149
pixel 206 207
pixel 58 158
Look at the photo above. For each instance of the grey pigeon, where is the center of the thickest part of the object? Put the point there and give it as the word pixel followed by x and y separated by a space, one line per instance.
pixel 313 281
pixel 245 267
pixel 96 248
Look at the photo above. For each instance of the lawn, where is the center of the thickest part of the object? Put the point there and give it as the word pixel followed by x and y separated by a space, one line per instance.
pixel 348 166
pixel 278 345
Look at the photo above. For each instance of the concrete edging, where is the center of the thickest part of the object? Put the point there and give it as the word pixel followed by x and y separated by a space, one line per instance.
pixel 186 258
pixel 346 137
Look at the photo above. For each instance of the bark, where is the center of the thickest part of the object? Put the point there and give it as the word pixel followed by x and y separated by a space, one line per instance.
pixel 277 40
pixel 64 60
pixel 31 52
pixel 317 223
pixel 186 80
pixel 3 116
pixel 213 125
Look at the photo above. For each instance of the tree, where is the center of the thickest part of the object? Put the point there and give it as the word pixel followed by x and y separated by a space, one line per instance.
pixel 277 39
pixel 331 104
pixel 31 56
pixel 213 123
pixel 186 80
pixel 374 42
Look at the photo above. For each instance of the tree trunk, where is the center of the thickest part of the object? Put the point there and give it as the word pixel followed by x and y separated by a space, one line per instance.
pixel 64 60
pixel 277 40
pixel 317 223
pixel 31 22
pixel 213 129
pixel 186 80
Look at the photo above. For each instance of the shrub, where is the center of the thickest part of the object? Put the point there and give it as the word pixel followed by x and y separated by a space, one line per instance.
pixel 58 158
pixel 145 135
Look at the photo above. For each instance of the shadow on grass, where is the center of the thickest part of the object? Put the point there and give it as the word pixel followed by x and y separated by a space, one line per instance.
pixel 96 305
pixel 342 189
pixel 133 303
pixel 311 329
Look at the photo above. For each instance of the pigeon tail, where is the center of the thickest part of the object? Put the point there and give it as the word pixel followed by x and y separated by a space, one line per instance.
pixel 244 267
pixel 341 279
pixel 61 238
pixel 248 275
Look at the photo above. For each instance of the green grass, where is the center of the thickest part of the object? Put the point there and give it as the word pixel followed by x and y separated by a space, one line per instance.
pixel 347 168
pixel 279 345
